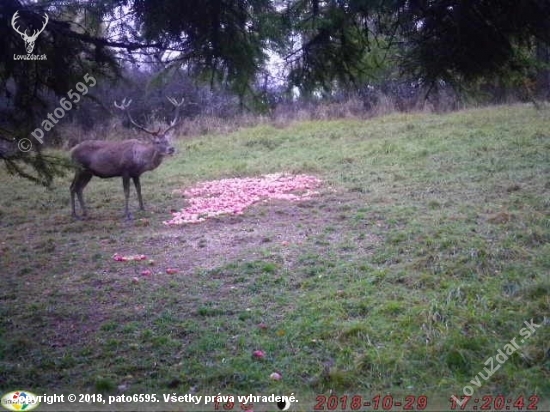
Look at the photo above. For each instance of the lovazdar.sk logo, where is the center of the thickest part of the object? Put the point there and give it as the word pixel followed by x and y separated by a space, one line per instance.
pixel 19 401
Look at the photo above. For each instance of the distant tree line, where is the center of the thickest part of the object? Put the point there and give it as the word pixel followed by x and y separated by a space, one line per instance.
pixel 219 53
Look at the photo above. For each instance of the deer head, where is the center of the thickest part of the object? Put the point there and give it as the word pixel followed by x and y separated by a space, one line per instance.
pixel 160 139
pixel 29 40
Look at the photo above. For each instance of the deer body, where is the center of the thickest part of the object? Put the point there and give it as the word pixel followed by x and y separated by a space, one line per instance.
pixel 127 159
pixel 111 159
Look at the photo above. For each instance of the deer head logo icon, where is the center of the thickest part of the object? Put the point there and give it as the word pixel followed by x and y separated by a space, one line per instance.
pixel 29 39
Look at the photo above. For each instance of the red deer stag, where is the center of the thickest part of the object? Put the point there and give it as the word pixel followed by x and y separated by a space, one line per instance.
pixel 127 159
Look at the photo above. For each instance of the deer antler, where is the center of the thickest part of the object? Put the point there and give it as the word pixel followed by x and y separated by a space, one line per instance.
pixel 177 105
pixel 124 106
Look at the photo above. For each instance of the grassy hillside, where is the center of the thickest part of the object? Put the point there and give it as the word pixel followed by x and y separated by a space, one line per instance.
pixel 426 251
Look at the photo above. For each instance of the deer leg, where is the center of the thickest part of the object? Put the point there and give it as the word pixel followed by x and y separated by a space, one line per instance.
pixel 81 179
pixel 73 194
pixel 137 184
pixel 126 185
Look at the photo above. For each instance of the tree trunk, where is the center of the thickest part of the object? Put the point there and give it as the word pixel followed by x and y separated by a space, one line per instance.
pixel 543 75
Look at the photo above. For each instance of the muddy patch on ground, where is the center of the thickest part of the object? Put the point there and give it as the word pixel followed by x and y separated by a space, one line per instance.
pixel 276 227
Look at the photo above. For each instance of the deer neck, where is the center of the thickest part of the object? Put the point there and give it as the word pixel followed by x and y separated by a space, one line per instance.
pixel 156 160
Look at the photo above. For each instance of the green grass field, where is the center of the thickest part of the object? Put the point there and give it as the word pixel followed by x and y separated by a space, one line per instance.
pixel 427 249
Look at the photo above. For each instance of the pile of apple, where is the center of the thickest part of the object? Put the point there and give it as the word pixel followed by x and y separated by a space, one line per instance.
pixel 233 196
pixel 137 258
